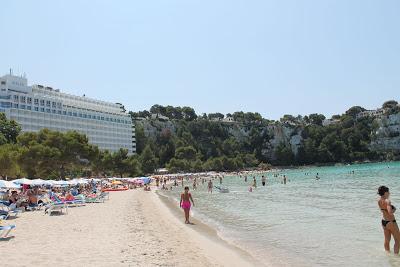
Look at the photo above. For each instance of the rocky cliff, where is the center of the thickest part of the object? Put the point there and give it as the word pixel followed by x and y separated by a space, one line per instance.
pixel 276 133
pixel 387 136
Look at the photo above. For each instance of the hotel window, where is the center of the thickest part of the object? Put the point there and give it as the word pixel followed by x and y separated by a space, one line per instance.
pixel 69 113
pixel 102 118
pixel 41 109
pixel 36 109
pixel 58 104
pixel 36 101
pixel 84 115
pixel 23 99
pixel 74 114
pixel 59 112
pixel 29 100
pixel 41 102
pixel 16 98
pixel 47 103
pixel 89 116
pixel 80 115
pixel 15 105
pixel 64 112
pixel 53 104
pixel 23 106
pixel 5 104
pixel 47 110
pixel 54 111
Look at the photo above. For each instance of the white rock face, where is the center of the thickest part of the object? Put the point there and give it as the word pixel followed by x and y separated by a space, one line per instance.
pixel 278 134
pixel 388 134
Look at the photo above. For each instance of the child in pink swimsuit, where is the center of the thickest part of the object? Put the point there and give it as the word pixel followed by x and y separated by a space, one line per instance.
pixel 185 204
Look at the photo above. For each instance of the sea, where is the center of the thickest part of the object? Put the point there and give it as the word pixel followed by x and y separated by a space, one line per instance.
pixel 333 221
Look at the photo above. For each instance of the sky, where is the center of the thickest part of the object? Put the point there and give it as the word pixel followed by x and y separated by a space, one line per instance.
pixel 272 57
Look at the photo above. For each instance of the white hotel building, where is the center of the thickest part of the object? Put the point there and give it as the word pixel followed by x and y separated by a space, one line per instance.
pixel 35 107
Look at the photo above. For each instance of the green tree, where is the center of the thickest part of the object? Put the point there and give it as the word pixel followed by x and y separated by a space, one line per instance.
pixel 148 160
pixel 121 162
pixel 9 167
pixel 390 104
pixel 316 119
pixel 141 139
pixel 354 111
pixel 284 155
pixel 9 130
pixel 187 152
pixel 54 154
pixel 178 165
pixel 218 116
pixel 102 163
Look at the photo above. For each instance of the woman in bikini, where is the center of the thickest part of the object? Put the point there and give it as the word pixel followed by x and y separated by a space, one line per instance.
pixel 389 224
pixel 186 197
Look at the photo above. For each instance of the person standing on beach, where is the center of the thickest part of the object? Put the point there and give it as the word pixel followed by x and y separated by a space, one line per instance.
pixel 186 197
pixel 284 179
pixel 210 186
pixel 263 180
pixel 389 224
pixel 220 179
pixel 245 178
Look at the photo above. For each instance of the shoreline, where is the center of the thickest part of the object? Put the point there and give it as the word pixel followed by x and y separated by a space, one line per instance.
pixel 210 238
pixel 132 228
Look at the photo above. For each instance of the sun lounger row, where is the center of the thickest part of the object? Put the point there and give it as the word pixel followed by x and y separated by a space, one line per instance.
pixel 5 229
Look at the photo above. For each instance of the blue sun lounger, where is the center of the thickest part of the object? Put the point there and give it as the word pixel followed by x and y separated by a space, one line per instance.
pixel 5 229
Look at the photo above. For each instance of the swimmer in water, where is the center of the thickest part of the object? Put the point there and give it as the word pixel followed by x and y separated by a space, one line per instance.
pixel 284 179
pixel 194 185
pixel 263 180
pixel 254 182
pixel 389 224
pixel 186 197
pixel 210 186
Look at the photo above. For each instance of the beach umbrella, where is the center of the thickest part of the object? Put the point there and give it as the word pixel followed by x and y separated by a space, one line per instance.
pixel 22 181
pixel 73 182
pixel 60 183
pixel 82 181
pixel 50 182
pixel 146 180
pixel 40 182
pixel 8 184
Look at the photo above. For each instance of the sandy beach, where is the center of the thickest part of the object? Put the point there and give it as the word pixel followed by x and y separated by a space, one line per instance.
pixel 133 228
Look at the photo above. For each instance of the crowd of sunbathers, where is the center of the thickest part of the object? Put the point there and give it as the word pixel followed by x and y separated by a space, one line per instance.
pixel 30 198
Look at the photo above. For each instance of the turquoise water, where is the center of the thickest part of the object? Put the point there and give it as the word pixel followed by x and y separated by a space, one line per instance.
pixel 334 221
